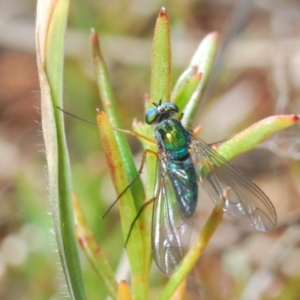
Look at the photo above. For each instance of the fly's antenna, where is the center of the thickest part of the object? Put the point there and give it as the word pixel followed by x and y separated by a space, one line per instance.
pixel 157 104
pixel 76 117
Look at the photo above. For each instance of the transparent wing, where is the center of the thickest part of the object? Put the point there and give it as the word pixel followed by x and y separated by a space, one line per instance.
pixel 171 230
pixel 244 201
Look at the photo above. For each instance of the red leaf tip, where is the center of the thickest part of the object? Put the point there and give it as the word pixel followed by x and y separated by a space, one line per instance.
pixel 94 36
pixel 214 35
pixel 296 118
pixel 147 98
pixel 163 12
pixel 195 68
pixel 198 75
pixel 99 111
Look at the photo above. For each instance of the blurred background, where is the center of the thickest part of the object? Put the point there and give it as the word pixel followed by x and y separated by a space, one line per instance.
pixel 256 75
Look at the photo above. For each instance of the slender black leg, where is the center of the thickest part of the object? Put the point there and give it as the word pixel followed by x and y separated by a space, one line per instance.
pixel 136 218
pixel 146 152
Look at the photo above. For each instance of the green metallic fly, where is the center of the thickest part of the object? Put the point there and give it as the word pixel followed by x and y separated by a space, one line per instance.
pixel 183 162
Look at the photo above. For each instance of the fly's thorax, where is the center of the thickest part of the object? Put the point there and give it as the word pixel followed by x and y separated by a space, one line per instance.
pixel 173 138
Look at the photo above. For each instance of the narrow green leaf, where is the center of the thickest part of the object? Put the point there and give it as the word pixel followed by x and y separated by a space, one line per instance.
pixel 135 247
pixel 161 59
pixel 50 31
pixel 187 90
pixel 179 293
pixel 110 105
pixel 255 134
pixel 194 253
pixel 184 77
pixel 93 252
pixel 159 90
pixel 202 60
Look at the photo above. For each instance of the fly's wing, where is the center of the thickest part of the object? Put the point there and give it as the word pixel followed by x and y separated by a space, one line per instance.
pixel 243 200
pixel 171 231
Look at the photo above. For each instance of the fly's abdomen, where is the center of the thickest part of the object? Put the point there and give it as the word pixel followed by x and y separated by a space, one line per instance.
pixel 184 179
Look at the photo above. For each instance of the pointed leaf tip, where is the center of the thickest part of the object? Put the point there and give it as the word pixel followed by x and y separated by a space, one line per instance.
pixel 282 120
pixel 161 59
pixel 255 134
pixel 213 36
pixel 94 37
pixel 163 14
pixel 124 291
pixel 163 11
pixel 198 75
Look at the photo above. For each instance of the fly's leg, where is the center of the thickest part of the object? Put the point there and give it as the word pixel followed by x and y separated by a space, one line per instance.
pixel 146 152
pixel 136 218
pixel 140 136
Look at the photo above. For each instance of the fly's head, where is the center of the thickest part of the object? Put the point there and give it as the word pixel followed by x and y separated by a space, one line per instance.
pixel 161 112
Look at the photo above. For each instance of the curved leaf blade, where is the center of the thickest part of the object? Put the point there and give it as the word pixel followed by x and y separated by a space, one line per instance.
pixel 50 30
